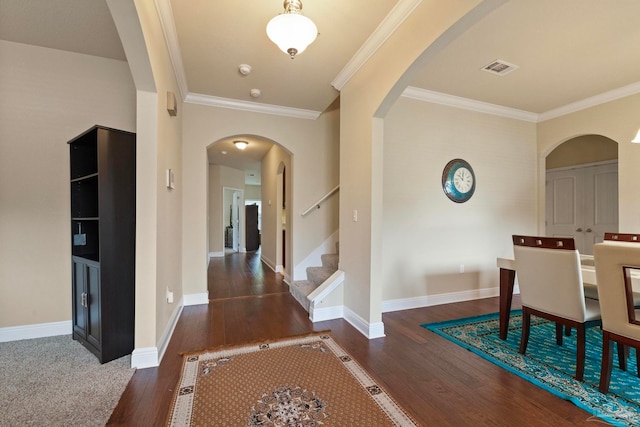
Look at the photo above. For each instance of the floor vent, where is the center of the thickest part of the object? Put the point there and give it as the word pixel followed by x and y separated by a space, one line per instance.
pixel 499 67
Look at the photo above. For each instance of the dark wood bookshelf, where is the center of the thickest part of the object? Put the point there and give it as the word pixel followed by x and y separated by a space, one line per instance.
pixel 103 198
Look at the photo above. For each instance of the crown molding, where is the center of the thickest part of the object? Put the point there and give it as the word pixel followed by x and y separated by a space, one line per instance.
pixel 165 13
pixel 592 101
pixel 468 104
pixel 255 107
pixel 391 22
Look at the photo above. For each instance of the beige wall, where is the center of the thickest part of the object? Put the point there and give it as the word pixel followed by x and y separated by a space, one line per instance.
pixel 582 150
pixel 48 97
pixel 158 208
pixel 252 192
pixel 617 120
pixel 427 237
pixel 376 85
pixel 274 163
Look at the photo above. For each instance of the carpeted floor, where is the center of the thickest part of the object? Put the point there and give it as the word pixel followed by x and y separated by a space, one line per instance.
pixel 298 381
pixel 54 381
pixel 550 366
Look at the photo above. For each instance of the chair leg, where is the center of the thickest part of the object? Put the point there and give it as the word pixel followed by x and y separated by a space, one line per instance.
pixel 526 321
pixel 623 353
pixel 580 353
pixel 567 330
pixel 559 333
pixel 607 363
pixel 638 360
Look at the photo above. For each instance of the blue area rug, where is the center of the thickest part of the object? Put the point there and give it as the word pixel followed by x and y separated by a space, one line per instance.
pixel 550 366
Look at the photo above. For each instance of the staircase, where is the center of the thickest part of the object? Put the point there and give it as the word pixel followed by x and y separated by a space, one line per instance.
pixel 315 277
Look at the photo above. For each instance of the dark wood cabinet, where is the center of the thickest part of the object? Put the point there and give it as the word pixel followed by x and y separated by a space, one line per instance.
pixel 103 199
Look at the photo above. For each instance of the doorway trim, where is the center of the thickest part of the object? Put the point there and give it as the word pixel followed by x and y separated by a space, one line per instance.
pixel 238 238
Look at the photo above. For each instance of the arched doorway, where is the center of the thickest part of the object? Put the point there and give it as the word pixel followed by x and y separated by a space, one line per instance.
pixel 260 174
pixel 581 191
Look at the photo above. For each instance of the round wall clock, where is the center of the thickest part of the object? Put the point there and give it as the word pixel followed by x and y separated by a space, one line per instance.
pixel 458 180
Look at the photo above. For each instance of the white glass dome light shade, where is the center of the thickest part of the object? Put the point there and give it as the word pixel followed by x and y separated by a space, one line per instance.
pixel 292 32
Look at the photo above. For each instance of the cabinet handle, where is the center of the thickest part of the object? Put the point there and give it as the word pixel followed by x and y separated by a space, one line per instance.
pixel 84 299
pixel 588 230
pixel 579 230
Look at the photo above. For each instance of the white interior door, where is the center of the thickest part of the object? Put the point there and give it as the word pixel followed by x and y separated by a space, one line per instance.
pixel 235 218
pixel 582 203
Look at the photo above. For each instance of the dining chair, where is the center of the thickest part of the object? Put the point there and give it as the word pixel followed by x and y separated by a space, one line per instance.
pixel 591 290
pixel 616 263
pixel 550 281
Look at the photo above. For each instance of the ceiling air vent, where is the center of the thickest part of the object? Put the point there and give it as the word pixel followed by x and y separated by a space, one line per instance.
pixel 499 67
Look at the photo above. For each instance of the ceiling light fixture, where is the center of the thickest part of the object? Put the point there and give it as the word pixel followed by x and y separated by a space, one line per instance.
pixel 241 145
pixel 637 138
pixel 291 31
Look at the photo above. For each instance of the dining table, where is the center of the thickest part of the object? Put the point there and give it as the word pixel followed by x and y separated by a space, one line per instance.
pixel 507 268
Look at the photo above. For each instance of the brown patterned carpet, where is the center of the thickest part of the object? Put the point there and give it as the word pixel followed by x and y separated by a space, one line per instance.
pixel 298 381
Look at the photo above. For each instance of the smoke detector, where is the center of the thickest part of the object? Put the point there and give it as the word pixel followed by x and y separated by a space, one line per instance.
pixel 245 69
pixel 255 93
pixel 499 67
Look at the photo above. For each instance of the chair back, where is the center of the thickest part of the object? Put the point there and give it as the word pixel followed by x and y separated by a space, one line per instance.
pixel 615 263
pixel 621 237
pixel 550 276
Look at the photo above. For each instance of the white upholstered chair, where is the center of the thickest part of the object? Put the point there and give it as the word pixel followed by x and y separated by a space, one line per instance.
pixel 591 290
pixel 550 280
pixel 615 264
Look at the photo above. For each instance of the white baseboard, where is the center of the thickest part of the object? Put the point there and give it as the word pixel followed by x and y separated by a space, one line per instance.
pixel 216 254
pixel 168 332
pixel 150 357
pixel 40 330
pixel 268 262
pixel 196 299
pixel 376 330
pixel 369 330
pixel 146 357
pixel 429 300
pixel 327 313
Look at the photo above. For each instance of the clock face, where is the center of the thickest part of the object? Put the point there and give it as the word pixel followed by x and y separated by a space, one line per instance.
pixel 458 180
pixel 462 180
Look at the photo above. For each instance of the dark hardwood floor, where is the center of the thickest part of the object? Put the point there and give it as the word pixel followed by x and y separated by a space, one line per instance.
pixel 436 381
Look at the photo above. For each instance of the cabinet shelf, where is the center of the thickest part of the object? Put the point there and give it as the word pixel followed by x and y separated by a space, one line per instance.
pixel 82 178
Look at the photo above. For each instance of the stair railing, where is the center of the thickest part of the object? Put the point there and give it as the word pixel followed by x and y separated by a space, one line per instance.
pixel 316 205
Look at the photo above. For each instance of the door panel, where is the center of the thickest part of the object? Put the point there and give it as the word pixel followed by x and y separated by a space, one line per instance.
pixel 79 315
pixel 93 303
pixel 605 201
pixel 564 194
pixel 582 203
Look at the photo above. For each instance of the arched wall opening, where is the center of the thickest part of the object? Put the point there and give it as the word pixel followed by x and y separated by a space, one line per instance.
pixel 581 189
pixel 255 174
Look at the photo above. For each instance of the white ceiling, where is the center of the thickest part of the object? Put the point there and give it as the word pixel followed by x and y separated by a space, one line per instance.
pixel 568 51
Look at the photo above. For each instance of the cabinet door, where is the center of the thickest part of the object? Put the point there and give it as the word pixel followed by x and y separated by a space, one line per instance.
pixel 92 275
pixel 78 290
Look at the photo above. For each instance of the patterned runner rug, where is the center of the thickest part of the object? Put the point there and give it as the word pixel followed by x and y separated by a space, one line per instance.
pixel 300 381
pixel 550 366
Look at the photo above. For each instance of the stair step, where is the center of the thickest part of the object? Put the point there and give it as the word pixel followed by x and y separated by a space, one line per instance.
pixel 300 289
pixel 330 261
pixel 318 275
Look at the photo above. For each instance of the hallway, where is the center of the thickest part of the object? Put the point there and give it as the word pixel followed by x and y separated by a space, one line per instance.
pixel 436 381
